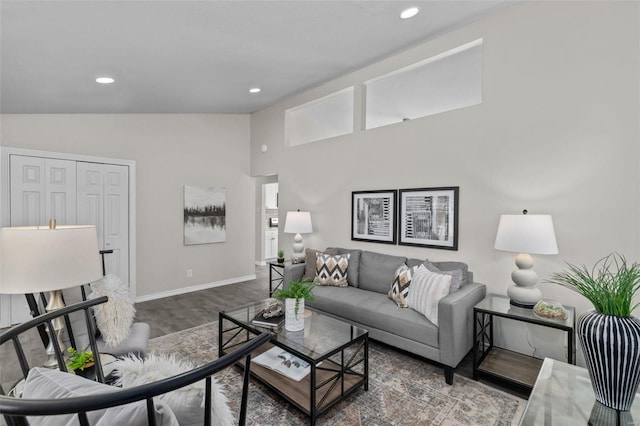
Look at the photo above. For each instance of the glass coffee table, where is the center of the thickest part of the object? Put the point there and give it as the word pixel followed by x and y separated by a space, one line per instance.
pixel 563 395
pixel 337 353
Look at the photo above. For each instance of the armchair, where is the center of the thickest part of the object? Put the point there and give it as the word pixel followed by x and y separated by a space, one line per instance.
pixel 106 402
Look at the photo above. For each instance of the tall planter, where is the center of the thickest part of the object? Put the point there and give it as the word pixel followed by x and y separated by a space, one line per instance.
pixel 293 321
pixel 611 347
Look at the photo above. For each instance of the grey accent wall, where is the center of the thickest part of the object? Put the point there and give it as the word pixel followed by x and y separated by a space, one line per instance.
pixel 557 132
pixel 170 151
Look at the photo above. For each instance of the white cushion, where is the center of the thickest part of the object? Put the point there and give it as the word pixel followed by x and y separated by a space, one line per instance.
pixel 44 383
pixel 114 317
pixel 427 288
pixel 187 402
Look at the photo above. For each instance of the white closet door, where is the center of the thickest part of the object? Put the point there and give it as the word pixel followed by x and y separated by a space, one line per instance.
pixel 103 201
pixel 41 189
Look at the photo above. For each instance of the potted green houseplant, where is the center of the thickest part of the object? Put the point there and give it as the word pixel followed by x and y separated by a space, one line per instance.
pixel 294 297
pixel 280 256
pixel 80 362
pixel 609 335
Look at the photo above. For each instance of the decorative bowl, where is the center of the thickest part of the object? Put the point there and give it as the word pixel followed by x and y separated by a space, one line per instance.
pixel 550 309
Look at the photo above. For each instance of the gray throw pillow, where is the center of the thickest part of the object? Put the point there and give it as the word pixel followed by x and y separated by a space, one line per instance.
pixel 457 276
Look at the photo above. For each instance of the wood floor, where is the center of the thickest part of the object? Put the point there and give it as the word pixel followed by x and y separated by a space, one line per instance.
pixel 176 313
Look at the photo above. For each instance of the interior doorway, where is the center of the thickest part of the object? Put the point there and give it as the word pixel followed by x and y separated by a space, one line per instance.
pixel 267 219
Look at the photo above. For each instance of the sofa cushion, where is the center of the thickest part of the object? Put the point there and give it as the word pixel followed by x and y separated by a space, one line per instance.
pixel 377 271
pixel 376 311
pixel 310 262
pixel 354 264
pixel 427 288
pixel 332 269
pixel 43 383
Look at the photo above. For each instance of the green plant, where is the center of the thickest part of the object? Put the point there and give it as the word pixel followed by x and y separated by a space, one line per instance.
pixel 280 254
pixel 79 360
pixel 610 285
pixel 296 290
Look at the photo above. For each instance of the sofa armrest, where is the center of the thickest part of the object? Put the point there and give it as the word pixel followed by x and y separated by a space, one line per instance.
pixel 455 320
pixel 293 272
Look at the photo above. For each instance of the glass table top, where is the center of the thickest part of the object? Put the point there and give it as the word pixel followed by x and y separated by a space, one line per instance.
pixel 321 335
pixel 497 304
pixel 563 395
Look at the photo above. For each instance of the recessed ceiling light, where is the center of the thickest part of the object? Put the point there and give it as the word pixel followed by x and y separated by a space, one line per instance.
pixel 254 90
pixel 104 80
pixel 409 13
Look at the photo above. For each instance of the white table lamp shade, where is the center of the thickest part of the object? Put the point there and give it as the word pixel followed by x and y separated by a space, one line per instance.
pixel 298 223
pixel 526 233
pixel 36 259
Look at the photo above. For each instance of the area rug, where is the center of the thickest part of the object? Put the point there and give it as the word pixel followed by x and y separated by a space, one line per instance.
pixel 403 390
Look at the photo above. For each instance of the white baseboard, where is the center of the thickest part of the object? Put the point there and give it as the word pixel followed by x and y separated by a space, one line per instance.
pixel 190 289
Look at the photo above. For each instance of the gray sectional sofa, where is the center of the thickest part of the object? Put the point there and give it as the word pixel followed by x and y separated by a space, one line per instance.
pixel 365 303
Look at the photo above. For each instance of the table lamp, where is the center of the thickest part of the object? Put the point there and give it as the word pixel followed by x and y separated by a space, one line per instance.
pixel 298 223
pixel 525 234
pixel 37 259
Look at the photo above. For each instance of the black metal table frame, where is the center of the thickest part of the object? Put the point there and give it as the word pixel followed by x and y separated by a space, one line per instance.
pixel 278 268
pixel 346 369
pixel 483 340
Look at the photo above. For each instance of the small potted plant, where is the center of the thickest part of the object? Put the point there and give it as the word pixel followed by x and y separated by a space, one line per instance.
pixel 280 256
pixel 80 362
pixel 294 297
pixel 609 335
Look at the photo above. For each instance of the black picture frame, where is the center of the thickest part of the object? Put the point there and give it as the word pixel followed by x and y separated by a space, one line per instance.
pixel 428 217
pixel 374 216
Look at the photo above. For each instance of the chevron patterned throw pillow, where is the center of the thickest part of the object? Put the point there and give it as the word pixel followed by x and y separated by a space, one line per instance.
pixel 331 270
pixel 400 286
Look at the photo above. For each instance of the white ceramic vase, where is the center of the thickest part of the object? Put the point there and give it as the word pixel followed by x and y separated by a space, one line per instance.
pixel 293 322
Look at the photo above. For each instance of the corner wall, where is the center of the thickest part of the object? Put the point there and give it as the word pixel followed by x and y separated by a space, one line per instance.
pixel 170 150
pixel 557 132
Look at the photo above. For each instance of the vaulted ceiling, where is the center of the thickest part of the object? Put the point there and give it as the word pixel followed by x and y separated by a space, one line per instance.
pixel 199 56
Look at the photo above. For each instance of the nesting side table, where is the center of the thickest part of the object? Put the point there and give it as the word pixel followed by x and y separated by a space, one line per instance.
pixel 504 365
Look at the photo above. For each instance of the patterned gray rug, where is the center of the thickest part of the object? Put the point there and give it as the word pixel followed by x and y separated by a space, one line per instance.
pixel 402 391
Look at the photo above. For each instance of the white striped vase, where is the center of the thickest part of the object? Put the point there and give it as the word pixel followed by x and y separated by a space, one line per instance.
pixel 611 347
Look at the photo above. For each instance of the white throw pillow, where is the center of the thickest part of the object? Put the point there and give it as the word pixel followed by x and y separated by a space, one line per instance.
pixel 187 403
pixel 427 288
pixel 114 318
pixel 44 383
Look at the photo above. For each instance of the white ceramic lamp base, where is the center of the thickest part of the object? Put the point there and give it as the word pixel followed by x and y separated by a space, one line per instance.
pixel 524 293
pixel 298 255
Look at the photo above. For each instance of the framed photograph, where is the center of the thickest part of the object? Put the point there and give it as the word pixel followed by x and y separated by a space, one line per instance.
pixel 429 217
pixel 373 216
pixel 204 215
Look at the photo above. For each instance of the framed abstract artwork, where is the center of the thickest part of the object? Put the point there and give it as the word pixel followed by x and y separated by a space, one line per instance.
pixel 429 217
pixel 204 215
pixel 373 216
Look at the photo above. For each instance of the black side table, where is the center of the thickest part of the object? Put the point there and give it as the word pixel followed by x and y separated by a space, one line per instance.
pixel 504 365
pixel 276 276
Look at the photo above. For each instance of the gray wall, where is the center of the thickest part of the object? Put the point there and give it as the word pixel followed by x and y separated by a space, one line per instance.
pixel 557 132
pixel 170 151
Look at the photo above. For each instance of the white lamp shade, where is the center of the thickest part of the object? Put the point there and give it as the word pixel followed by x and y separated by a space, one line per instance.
pixel 298 223
pixel 526 233
pixel 35 259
